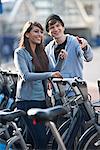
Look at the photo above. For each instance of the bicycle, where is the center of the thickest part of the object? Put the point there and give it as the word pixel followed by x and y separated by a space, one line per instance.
pixel 10 135
pixel 91 137
pixel 98 82
pixel 8 81
pixel 81 108
pixel 48 116
pixel 80 105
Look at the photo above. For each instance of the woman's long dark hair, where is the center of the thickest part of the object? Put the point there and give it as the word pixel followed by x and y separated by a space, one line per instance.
pixel 40 59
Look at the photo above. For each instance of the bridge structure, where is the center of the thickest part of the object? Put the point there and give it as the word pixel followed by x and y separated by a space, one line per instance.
pixel 17 12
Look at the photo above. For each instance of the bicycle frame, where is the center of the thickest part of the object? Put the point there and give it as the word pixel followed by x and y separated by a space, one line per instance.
pixel 48 116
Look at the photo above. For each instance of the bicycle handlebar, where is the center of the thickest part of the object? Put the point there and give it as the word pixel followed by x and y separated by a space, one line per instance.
pixel 73 82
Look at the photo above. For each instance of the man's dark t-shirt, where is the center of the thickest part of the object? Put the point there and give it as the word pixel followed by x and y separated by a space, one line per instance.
pixel 58 48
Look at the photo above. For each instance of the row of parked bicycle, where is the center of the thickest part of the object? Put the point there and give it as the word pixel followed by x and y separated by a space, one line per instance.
pixel 72 120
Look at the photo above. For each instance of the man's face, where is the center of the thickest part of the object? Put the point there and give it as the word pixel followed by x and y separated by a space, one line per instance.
pixel 56 30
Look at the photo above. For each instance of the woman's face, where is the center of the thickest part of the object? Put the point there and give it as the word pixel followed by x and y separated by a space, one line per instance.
pixel 35 36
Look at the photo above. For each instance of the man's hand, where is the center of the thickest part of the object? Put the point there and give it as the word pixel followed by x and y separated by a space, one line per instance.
pixel 63 54
pixel 83 43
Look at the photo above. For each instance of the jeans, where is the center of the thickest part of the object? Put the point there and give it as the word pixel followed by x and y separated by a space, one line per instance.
pixel 36 134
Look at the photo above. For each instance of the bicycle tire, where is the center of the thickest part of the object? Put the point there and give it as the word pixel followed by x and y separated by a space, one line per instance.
pixel 52 142
pixel 89 140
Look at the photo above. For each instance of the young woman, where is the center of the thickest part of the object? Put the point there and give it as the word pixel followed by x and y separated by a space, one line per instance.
pixel 32 65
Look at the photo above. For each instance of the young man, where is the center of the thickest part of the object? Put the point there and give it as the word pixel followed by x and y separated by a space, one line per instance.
pixel 76 48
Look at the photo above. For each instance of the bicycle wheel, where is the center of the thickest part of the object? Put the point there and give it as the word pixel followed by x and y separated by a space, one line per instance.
pixel 52 144
pixel 90 140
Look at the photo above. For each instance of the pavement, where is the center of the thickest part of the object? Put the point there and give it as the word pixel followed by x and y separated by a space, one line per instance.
pixel 92 74
pixel 93 91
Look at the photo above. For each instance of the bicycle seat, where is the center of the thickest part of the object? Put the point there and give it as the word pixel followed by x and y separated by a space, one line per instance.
pixel 48 114
pixel 7 116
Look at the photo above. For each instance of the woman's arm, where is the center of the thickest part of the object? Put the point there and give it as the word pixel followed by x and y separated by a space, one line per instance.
pixel 22 68
pixel 23 71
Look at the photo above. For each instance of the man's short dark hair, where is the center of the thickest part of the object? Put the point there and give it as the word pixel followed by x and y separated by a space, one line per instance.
pixel 53 17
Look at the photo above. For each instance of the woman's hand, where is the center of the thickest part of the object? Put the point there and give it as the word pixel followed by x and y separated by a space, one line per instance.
pixel 56 74
pixel 63 54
